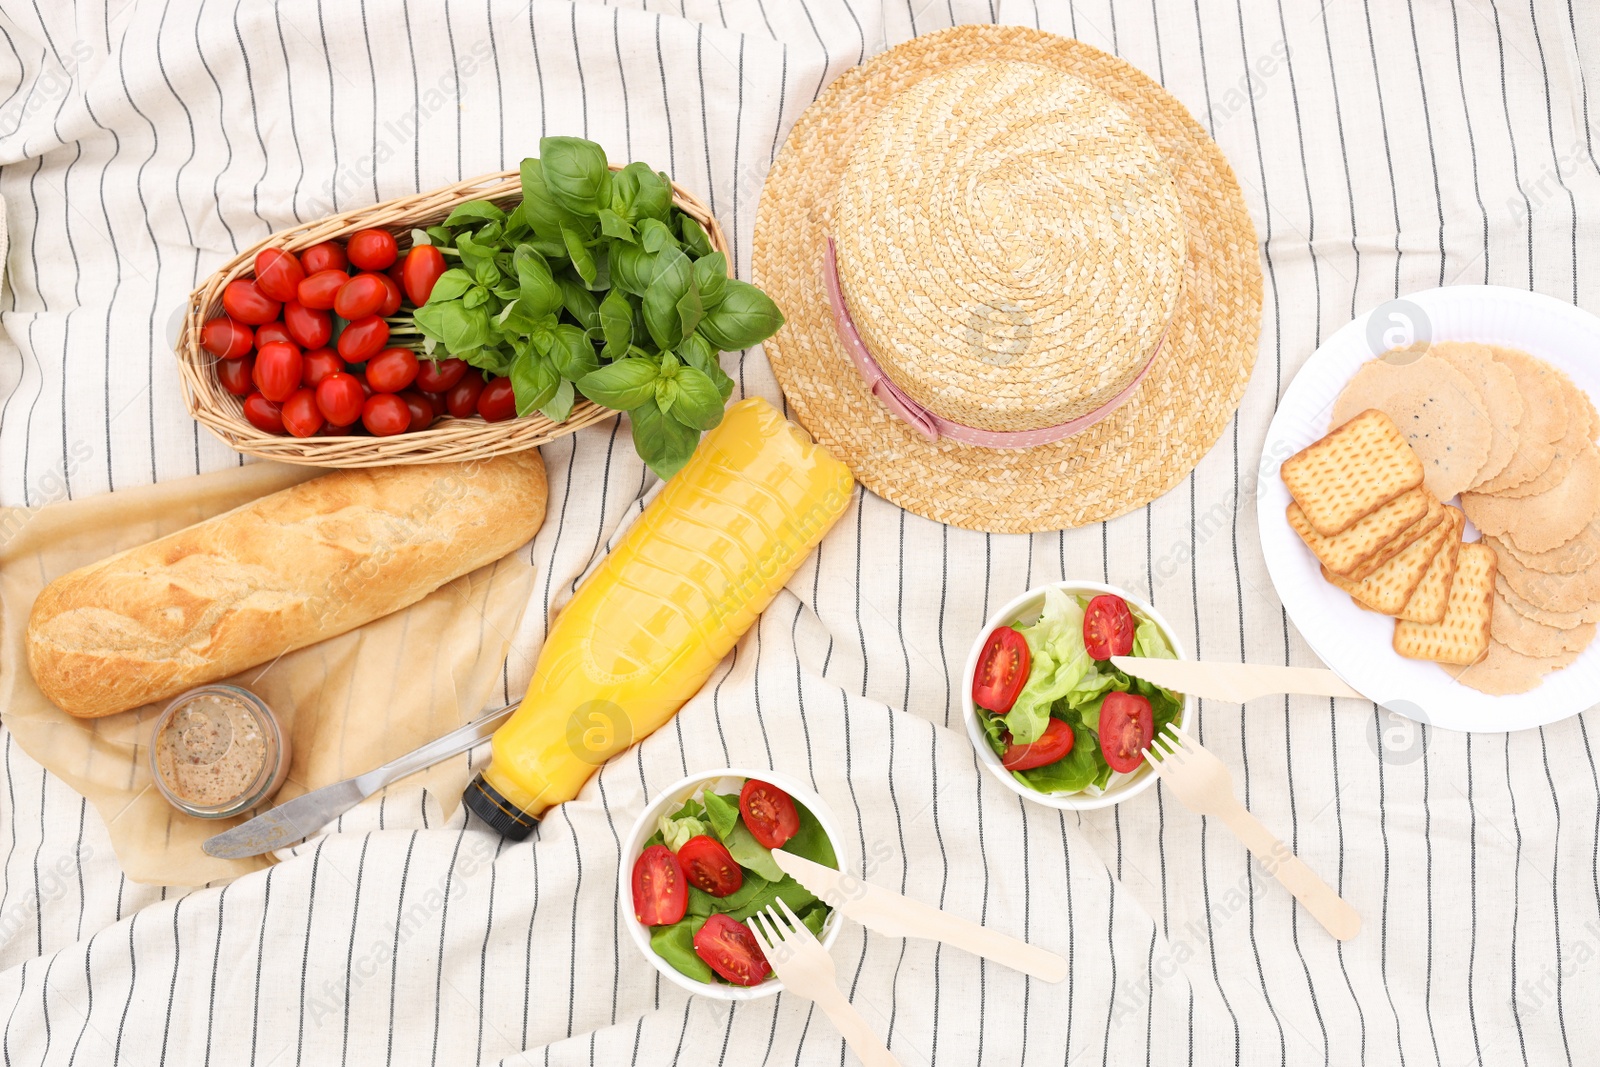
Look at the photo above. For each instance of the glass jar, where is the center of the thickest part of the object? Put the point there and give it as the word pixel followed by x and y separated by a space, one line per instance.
pixel 218 751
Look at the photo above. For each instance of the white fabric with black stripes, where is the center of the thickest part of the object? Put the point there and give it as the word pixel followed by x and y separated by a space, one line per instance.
pixel 1384 146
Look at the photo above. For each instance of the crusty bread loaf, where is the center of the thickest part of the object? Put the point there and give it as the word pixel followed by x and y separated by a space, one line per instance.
pixel 277 574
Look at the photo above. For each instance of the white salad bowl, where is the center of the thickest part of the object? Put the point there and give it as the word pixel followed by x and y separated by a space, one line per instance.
pixel 1026 608
pixel 672 798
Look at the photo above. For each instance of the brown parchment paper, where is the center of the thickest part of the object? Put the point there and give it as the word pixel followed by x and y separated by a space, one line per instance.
pixel 348 703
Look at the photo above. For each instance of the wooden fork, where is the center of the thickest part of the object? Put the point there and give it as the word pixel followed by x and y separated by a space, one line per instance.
pixel 1204 785
pixel 806 970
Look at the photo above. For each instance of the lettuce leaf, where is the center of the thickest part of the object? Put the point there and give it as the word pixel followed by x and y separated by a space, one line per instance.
pixel 1059 665
pixel 674 832
pixel 1150 642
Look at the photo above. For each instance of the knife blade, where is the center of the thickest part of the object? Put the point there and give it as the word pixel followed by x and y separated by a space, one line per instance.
pixel 1234 682
pixel 894 915
pixel 306 814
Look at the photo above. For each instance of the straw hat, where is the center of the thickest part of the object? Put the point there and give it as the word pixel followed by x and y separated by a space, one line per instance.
pixel 1021 284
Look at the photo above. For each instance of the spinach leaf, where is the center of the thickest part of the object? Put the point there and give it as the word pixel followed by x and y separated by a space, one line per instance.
pixel 575 172
pixel 814 917
pixel 675 944
pixel 745 316
pixel 722 812
pixel 748 852
pixel 786 889
pixel 1075 771
pixel 811 840
pixel 624 384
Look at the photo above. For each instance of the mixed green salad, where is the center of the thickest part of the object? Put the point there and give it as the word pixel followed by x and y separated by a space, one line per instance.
pixel 708 868
pixel 1059 715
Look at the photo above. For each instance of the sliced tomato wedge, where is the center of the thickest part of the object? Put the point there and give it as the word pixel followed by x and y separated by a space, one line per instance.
pixel 1002 670
pixel 1126 727
pixel 660 893
pixel 769 813
pixel 1108 627
pixel 709 866
pixel 729 948
pixel 1054 743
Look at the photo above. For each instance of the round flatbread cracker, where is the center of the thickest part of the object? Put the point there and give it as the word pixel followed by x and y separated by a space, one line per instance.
pixel 1498 387
pixel 1522 634
pixel 1577 554
pixel 1505 670
pixel 1552 592
pixel 1545 520
pixel 1564 620
pixel 1580 432
pixel 1544 419
pixel 1441 413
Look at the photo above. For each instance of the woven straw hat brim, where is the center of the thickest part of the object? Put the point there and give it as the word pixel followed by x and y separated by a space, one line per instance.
pixel 1130 457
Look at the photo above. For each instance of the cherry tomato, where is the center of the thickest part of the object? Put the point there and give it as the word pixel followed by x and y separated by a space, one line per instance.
pixel 392 297
pixel 234 374
pixel 392 370
pixel 440 408
pixel 318 364
pixel 769 813
pixel 361 296
pixel 385 415
pixel 709 866
pixel 660 892
pixel 363 339
pixel 461 400
pixel 372 249
pixel 310 327
pixel 1108 627
pixel 439 375
pixel 729 948
pixel 278 371
pixel 1002 670
pixel 321 289
pixel 278 273
pixel 396 271
pixel 1126 727
pixel 269 332
pixel 226 337
pixel 329 255
pixel 498 401
pixel 263 413
pixel 245 301
pixel 422 410
pixel 1055 742
pixel 340 398
pixel 300 414
pixel 424 264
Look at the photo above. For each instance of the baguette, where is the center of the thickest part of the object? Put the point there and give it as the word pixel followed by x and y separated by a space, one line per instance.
pixel 282 572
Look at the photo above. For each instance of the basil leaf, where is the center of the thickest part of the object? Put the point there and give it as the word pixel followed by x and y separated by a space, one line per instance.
pixel 652 198
pixel 674 275
pixel 575 172
pixel 539 206
pixel 572 352
pixel 440 236
pixel 624 189
pixel 475 211
pixel 711 276
pixel 690 310
pixel 536 287
pixel 666 390
pixel 560 407
pixel 632 268
pixel 582 260
pixel 697 352
pixel 534 380
pixel 452 284
pixel 615 226
pixel 616 323
pixel 578 300
pixel 655 236
pixel 694 236
pixel 664 444
pixel 623 385
pixel 459 328
pixel 699 401
pixel 745 316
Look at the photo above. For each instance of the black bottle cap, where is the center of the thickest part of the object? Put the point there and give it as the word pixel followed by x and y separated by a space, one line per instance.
pixel 503 817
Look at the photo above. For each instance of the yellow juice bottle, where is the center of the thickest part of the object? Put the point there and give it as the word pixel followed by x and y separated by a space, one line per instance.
pixel 646 630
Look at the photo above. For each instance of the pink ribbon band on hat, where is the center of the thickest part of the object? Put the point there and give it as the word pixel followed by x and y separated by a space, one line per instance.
pixel 932 426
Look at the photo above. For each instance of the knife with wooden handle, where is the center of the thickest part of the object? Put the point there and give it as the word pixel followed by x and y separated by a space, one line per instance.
pixel 896 916
pixel 1234 682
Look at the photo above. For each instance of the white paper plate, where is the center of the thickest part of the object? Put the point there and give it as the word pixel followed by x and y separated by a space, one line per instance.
pixel 1357 644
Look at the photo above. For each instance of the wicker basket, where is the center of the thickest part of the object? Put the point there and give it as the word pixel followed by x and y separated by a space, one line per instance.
pixel 447 439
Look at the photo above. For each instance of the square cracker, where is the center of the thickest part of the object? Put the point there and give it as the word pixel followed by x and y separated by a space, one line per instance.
pixel 1354 469
pixel 1427 604
pixel 1388 588
pixel 1462 637
pixel 1401 541
pixel 1344 552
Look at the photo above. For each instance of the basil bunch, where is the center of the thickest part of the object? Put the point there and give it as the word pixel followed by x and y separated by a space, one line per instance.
pixel 595 284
